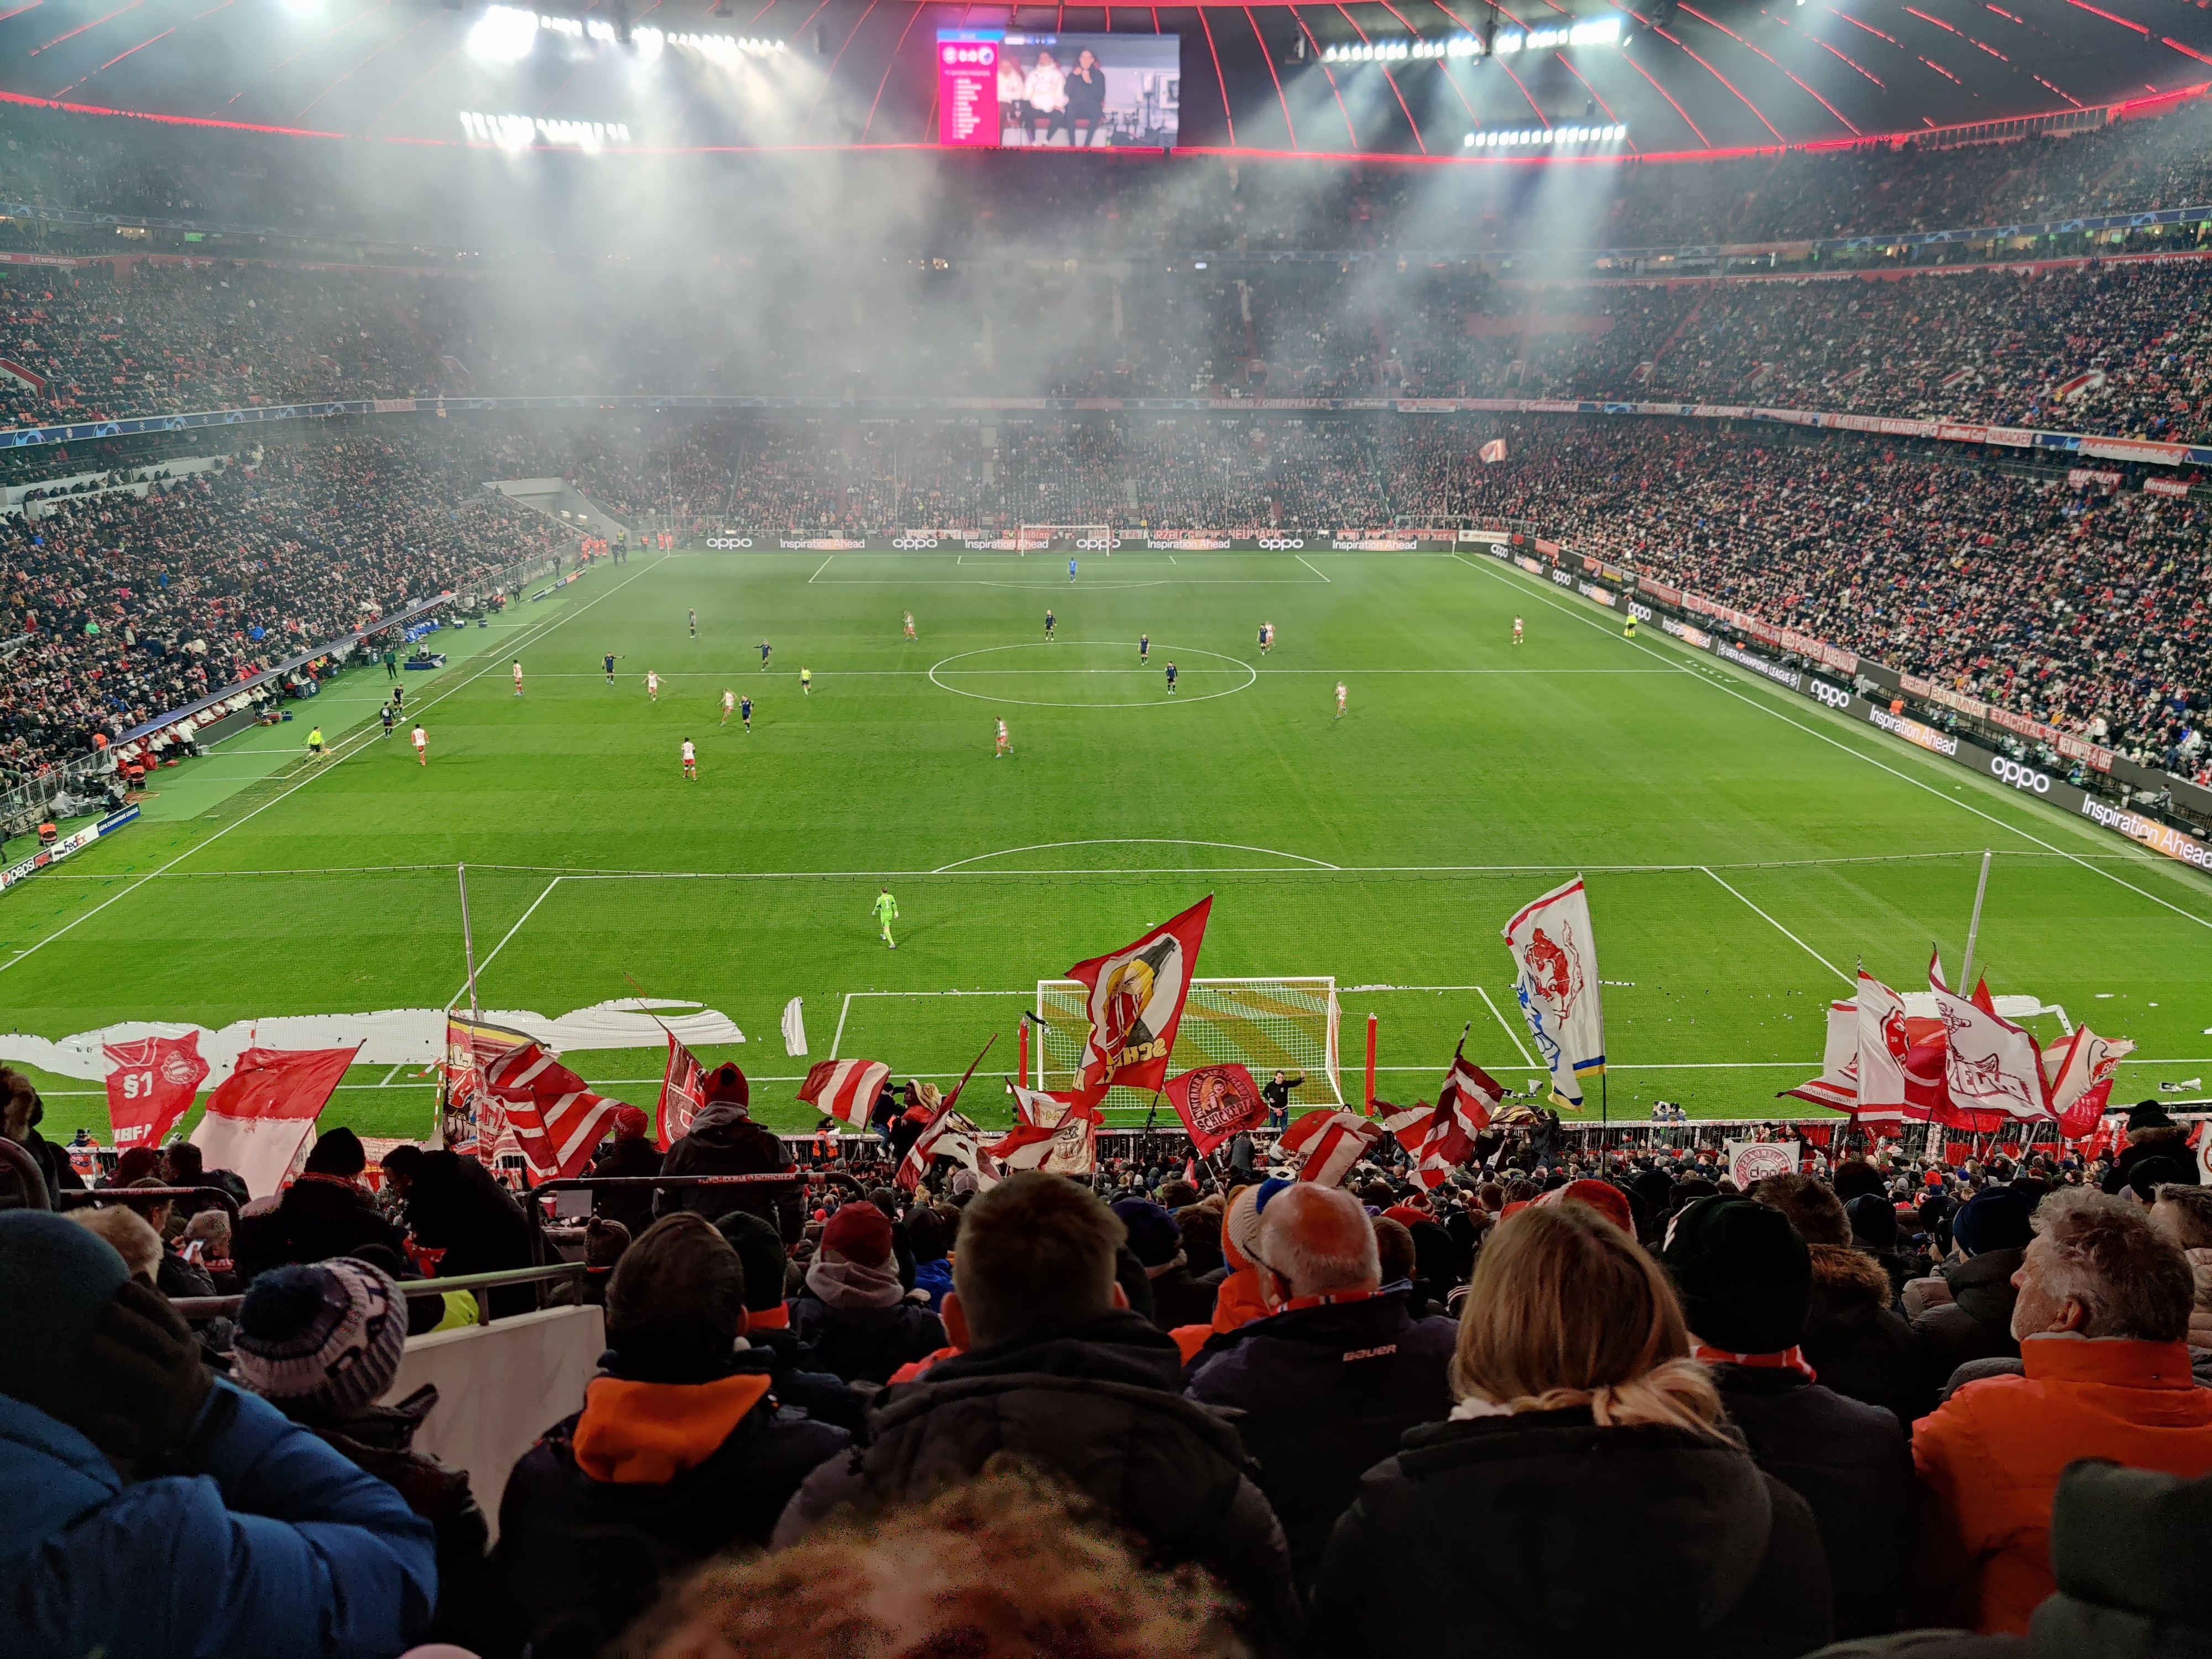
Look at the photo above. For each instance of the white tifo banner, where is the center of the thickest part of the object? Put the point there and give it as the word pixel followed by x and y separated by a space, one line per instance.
pixel 1749 1162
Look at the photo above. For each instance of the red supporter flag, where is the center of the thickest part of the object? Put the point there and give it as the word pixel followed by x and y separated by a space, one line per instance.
pixel 1441 1138
pixel 1331 1140
pixel 1216 1102
pixel 1137 994
pixel 555 1119
pixel 2080 1073
pixel 845 1089
pixel 682 1088
pixel 150 1085
pixel 261 1117
pixel 950 1134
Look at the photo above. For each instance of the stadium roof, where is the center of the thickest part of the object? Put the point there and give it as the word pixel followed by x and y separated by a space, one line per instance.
pixel 1367 79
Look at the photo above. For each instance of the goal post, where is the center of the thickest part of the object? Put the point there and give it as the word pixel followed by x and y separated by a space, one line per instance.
pixel 1266 1025
pixel 1078 538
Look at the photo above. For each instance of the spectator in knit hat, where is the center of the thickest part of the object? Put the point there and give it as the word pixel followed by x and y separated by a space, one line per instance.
pixel 325 1212
pixel 2152 1134
pixel 681 1449
pixel 631 1151
pixel 1854 1340
pixel 1328 1381
pixel 322 1343
pixel 723 1139
pixel 853 1311
pixel 1989 1235
pixel 147 1509
pixel 1057 1371
pixel 1157 1242
pixel 1585 1434
pixel 1874 1232
pixel 2101 1316
pixel 799 1374
pixel 1746 1281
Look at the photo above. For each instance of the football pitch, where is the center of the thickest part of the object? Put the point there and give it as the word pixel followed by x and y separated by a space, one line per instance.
pixel 1743 849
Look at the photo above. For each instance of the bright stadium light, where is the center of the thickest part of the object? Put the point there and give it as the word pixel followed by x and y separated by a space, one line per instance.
pixel 649 41
pixel 504 35
pixel 521 131
pixel 1549 137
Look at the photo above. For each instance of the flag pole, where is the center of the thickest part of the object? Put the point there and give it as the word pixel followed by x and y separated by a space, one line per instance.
pixel 468 942
pixel 969 1073
pixel 1368 1105
pixel 1973 927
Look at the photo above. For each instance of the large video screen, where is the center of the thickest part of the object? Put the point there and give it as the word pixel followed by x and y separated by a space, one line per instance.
pixel 1003 89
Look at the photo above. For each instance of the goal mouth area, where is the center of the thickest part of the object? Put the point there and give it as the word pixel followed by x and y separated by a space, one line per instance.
pixel 1290 1024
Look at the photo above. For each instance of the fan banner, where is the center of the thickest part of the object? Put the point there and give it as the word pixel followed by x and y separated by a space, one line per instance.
pixel 471 1121
pixel 1994 1070
pixel 683 1090
pixel 1331 1140
pixel 261 1117
pixel 555 1119
pixel 151 1086
pixel 1216 1102
pixel 795 1028
pixel 1749 1162
pixel 1557 956
pixel 845 1089
pixel 950 1134
pixel 1884 1043
pixel 2080 1075
pixel 1057 1133
pixel 1136 999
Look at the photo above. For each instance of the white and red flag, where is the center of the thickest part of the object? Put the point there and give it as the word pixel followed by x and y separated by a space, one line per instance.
pixel 261 1117
pixel 1057 1133
pixel 1331 1140
pixel 1556 953
pixel 1837 1085
pixel 683 1090
pixel 1441 1137
pixel 472 1122
pixel 555 1119
pixel 1492 451
pixel 1993 1071
pixel 1883 1043
pixel 2079 1076
pixel 1216 1102
pixel 845 1089
pixel 949 1134
pixel 1137 994
pixel 150 1085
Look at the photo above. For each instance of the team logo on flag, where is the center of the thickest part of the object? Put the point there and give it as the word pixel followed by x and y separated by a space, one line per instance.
pixel 1555 969
pixel 1557 986
pixel 1136 996
pixel 1215 1102
pixel 683 1090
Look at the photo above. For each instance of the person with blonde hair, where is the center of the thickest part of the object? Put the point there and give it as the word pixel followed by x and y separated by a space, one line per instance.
pixel 1583 1433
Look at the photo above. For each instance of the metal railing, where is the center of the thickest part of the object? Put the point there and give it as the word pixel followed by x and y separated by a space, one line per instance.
pixel 72 1198
pixel 219 1307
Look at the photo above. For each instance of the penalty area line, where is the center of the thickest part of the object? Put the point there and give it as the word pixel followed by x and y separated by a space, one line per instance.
pixel 1785 933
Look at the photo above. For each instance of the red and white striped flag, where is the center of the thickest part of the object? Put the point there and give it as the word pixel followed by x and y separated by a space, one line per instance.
pixel 1469 1094
pixel 1492 451
pixel 845 1089
pixel 1331 1140
pixel 950 1134
pixel 555 1119
pixel 682 1088
pixel 1441 1138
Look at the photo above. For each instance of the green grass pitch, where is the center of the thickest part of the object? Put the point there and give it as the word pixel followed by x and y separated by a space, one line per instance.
pixel 1743 848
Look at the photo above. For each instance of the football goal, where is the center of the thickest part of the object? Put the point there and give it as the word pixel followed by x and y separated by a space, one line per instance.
pixel 1266 1025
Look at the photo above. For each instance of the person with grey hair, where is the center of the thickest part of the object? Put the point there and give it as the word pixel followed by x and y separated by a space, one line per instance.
pixel 2101 1317
pixel 1335 1373
pixel 2183 1215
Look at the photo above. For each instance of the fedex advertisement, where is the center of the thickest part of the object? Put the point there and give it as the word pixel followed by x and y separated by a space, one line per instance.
pixel 1004 88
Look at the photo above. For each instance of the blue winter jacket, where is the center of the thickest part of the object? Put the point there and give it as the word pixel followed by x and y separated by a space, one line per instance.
pixel 278 1549
pixel 936 1278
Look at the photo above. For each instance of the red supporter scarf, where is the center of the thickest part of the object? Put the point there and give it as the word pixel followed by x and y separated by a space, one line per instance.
pixel 1790 1360
pixel 777 1318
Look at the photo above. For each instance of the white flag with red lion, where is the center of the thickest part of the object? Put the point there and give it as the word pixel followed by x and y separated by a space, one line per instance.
pixel 1557 956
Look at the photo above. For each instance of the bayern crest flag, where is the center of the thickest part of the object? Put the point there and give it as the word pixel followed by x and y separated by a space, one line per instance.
pixel 151 1086
pixel 1557 956
pixel 1137 994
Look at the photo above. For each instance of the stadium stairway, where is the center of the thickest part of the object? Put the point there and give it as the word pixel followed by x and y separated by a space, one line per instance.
pixel 567 506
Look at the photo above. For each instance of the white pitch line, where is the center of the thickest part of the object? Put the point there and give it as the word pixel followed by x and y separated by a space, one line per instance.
pixel 1721 685
pixel 1132 840
pixel 1847 978
pixel 841 1013
pixel 511 933
pixel 819 568
pixel 1310 565
pixel 1514 1036
pixel 368 736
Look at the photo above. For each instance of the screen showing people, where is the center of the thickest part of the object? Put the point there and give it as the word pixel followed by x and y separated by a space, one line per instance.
pixel 1007 89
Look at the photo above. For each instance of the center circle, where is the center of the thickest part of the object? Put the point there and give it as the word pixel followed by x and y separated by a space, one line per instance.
pixel 1106 675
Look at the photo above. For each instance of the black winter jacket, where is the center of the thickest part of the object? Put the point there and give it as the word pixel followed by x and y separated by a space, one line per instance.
pixel 1858 1345
pixel 319 1217
pixel 632 1156
pixel 1503 1521
pixel 1178 1298
pixel 866 1344
pixel 1851 1464
pixel 723 1140
pixel 2143 1145
pixel 1975 1324
pixel 582 1558
pixel 1325 1394
pixel 456 1206
pixel 1098 1404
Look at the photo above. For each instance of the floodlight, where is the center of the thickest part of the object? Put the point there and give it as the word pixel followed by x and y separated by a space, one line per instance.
pixel 503 35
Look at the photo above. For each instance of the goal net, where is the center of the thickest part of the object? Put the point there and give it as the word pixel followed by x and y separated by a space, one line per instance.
pixel 1076 537
pixel 1266 1025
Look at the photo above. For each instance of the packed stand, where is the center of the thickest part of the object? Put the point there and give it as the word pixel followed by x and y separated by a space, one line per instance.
pixel 1164 1407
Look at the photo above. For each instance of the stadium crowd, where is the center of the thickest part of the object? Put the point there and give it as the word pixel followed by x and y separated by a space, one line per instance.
pixel 1599 1404
pixel 119 606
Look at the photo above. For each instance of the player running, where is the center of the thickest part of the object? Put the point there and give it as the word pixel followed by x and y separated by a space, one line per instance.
pixel 652 685
pixel 1005 743
pixel 886 909
pixel 1050 623
pixel 1516 630
pixel 315 742
pixel 1340 699
pixel 608 662
pixel 805 682
pixel 910 634
pixel 1144 649
pixel 518 677
pixel 422 740
pixel 390 715
pixel 745 712
pixel 765 648
pixel 1172 679
pixel 695 624
pixel 690 761
pixel 729 704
